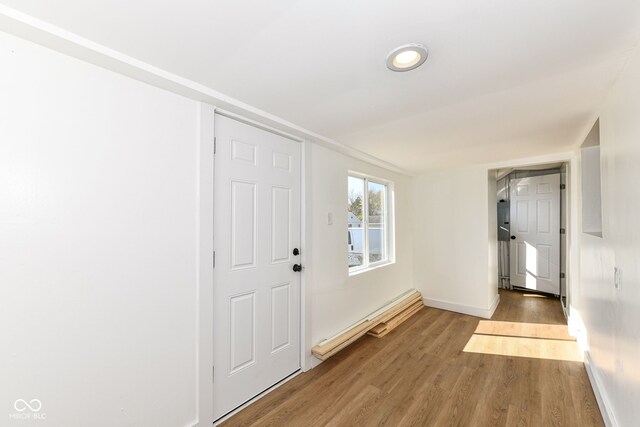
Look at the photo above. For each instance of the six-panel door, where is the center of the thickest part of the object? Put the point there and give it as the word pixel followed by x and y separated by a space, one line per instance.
pixel 535 232
pixel 256 291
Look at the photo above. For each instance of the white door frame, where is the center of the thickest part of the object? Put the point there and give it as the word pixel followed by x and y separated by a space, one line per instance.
pixel 204 294
pixel 572 219
pixel 205 239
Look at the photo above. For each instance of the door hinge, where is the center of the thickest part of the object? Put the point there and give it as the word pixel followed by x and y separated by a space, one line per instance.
pixel 563 231
pixel 215 145
pixel 562 275
pixel 214 259
pixel 563 186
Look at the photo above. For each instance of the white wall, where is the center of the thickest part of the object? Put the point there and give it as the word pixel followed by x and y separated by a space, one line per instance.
pixel 335 299
pixel 612 317
pixel 97 244
pixel 453 250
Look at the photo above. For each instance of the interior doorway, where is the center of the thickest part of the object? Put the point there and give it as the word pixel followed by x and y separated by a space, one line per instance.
pixel 532 218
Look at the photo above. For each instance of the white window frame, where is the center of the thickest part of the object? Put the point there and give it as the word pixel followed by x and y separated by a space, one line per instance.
pixel 389 222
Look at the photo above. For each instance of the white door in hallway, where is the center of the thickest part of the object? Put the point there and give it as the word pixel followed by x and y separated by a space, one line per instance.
pixel 535 233
pixel 256 291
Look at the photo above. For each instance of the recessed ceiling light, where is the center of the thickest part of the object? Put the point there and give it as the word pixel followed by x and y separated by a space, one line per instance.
pixel 407 57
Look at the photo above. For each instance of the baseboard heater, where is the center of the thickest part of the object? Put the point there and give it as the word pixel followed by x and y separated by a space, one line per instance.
pixel 377 324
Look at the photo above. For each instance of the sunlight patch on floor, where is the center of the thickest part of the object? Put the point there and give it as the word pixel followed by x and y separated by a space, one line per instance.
pixel 524 347
pixel 516 339
pixel 534 296
pixel 526 330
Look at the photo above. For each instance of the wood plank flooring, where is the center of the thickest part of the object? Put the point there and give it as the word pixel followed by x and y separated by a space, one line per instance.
pixel 419 375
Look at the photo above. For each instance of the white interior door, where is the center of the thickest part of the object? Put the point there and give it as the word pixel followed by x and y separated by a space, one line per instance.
pixel 256 291
pixel 535 233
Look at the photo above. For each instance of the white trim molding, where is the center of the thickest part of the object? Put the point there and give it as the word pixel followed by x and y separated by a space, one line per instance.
pixel 306 359
pixel 599 391
pixel 578 329
pixel 531 161
pixel 485 313
pixel 204 307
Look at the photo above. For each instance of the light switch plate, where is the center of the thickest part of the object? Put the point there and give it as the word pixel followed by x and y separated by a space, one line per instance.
pixel 617 278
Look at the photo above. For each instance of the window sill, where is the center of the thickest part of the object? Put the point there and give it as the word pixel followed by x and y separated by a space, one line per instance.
pixel 358 271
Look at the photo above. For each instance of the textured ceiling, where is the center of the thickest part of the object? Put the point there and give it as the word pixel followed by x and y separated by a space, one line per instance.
pixel 505 79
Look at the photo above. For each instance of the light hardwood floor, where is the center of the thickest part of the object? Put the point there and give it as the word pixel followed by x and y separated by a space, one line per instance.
pixel 420 375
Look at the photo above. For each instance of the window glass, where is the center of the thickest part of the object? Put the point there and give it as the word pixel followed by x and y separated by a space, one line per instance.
pixel 376 219
pixel 356 244
pixel 367 226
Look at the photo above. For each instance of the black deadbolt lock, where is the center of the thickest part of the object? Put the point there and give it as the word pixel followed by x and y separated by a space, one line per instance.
pixel 296 251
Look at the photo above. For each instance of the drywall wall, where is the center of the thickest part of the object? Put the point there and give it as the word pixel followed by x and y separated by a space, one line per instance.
pixel 98 244
pixel 336 300
pixel 454 252
pixel 612 317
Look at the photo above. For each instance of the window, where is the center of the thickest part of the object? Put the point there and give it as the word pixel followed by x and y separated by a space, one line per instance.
pixel 368 222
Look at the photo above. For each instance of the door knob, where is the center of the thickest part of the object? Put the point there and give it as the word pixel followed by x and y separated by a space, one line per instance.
pixel 296 251
pixel 513 237
pixel 297 268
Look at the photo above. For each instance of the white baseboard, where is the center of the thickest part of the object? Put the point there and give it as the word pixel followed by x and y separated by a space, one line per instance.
pixel 311 362
pixel 578 329
pixel 485 313
pixel 493 307
pixel 599 391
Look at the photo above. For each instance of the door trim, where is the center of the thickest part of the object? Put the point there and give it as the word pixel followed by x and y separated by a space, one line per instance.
pixel 306 359
pixel 241 119
pixel 204 270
